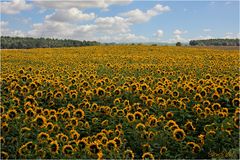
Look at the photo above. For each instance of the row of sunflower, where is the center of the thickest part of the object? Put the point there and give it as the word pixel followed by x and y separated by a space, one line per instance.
pixel 119 102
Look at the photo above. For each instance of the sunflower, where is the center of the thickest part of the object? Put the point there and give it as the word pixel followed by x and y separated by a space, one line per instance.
pixel 171 123
pixel 149 103
pixel 111 145
pixel 54 147
pixel 12 113
pixel 196 148
pixel 50 126
pixel 163 150
pixel 30 146
pixel 74 121
pixel 153 122
pixel 2 140
pixel 216 106
pixel 104 140
pixel 42 136
pixel 105 122
pixel 120 113
pixel 198 97
pixel 100 91
pixel 52 112
pixel 4 155
pixel 2 109
pixel 237 112
pixel 46 112
pixel 66 114
pixel 74 134
pixel 64 138
pixel 73 95
pixel 30 113
pixel 169 115
pixel 94 107
pixel 53 118
pixel 173 127
pixel 86 125
pixel 215 96
pixel 191 145
pixel 67 149
pixel 236 122
pixel 130 117
pixel 203 93
pixel 179 134
pixel 39 110
pixel 147 155
pixel 118 141
pixel 236 102
pixel 40 121
pixel 38 94
pixel 138 115
pixel 128 154
pixel 140 127
pixel 79 113
pixel 207 111
pixel 236 88
pixel 93 148
pixel 175 94
pixel 70 107
pixel 189 126
pixel 58 95
pixel 82 144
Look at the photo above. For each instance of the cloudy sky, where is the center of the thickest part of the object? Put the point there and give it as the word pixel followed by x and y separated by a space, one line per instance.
pixel 121 21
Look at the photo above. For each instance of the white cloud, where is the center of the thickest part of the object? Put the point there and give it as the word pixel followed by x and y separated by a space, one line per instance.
pixel 72 14
pixel 4 24
pixel 5 31
pixel 179 32
pixel 177 36
pixel 112 25
pixel 207 30
pixel 63 4
pixel 231 35
pixel 138 16
pixel 159 33
pixel 14 7
pixel 126 38
pixel 61 30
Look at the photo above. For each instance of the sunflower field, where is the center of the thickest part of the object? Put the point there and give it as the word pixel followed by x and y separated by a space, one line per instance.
pixel 120 102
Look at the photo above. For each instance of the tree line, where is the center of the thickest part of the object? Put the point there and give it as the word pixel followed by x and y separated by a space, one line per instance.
pixel 29 42
pixel 215 42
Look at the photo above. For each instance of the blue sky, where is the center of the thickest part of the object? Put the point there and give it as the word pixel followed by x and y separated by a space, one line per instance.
pixel 121 21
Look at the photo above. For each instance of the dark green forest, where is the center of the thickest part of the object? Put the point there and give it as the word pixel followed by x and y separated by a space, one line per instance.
pixel 29 42
pixel 215 42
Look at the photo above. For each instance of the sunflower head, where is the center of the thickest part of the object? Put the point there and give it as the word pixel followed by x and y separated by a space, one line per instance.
pixel 40 121
pixel 128 154
pixel 111 145
pixel 147 155
pixel 94 148
pixel 42 136
pixel 4 155
pixel 163 150
pixel 67 150
pixel 82 144
pixel 179 134
pixel 79 113
pixel 12 113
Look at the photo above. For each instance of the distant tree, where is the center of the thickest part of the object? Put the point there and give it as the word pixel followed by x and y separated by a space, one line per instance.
pixel 28 42
pixel 215 42
pixel 178 44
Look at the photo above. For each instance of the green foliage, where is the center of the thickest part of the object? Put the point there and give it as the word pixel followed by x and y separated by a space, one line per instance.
pixel 215 42
pixel 178 44
pixel 29 42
